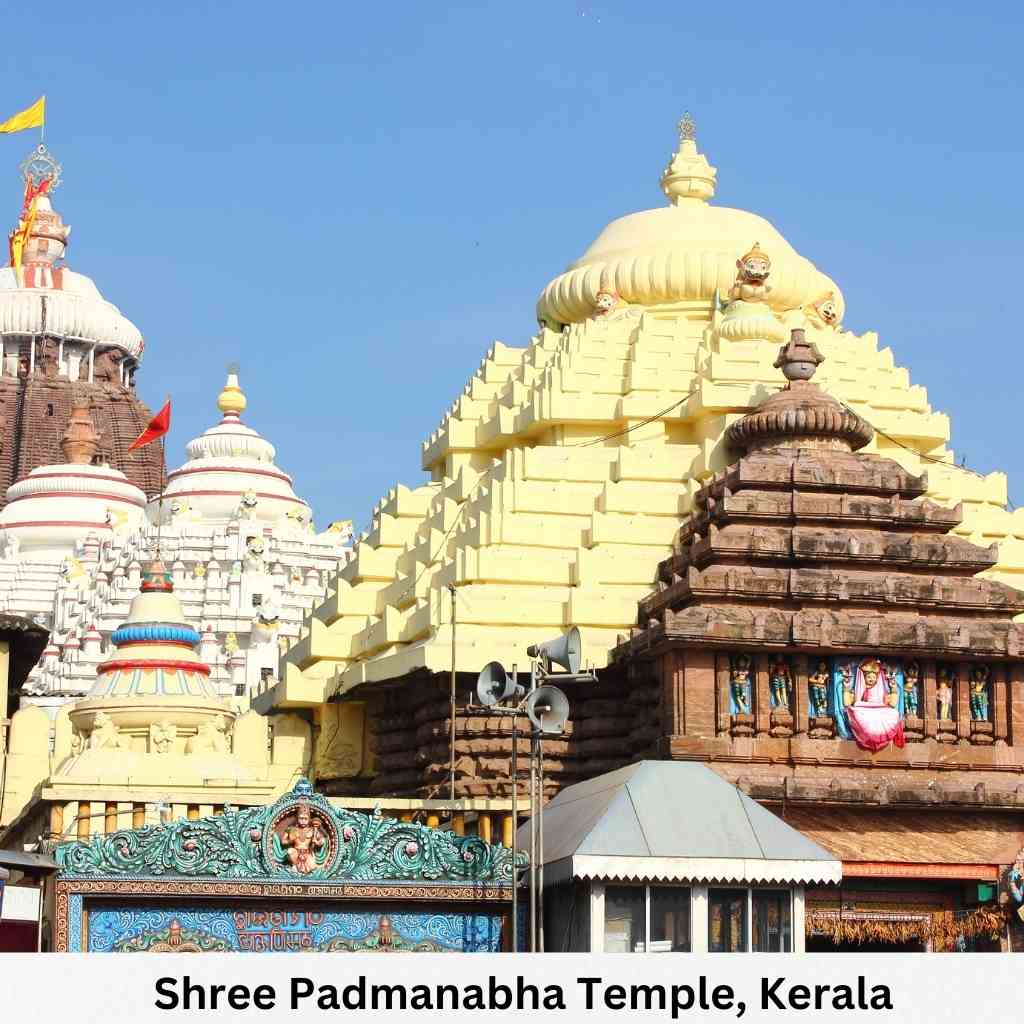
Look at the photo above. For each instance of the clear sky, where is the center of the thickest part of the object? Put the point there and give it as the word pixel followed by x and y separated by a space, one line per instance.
pixel 354 200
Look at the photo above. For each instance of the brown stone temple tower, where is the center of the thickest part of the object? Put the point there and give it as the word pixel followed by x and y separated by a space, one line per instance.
pixel 820 639
pixel 61 339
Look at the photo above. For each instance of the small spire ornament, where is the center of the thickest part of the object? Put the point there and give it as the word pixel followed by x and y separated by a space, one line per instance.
pixel 687 128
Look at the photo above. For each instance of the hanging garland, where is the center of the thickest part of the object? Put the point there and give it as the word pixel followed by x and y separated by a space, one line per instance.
pixel 941 929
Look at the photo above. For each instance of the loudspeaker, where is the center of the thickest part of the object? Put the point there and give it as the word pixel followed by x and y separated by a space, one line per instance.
pixel 548 708
pixel 566 650
pixel 494 685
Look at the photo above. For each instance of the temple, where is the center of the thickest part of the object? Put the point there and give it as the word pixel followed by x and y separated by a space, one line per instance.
pixel 64 343
pixel 798 587
pixel 750 513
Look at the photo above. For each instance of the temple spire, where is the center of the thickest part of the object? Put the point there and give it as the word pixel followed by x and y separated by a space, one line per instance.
pixel 688 176
pixel 232 401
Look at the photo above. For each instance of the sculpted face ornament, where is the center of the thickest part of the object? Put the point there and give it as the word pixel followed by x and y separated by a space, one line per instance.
pixel 828 310
pixel 755 266
pixel 605 302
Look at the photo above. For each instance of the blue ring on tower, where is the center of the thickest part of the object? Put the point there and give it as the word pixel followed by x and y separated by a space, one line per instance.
pixel 154 632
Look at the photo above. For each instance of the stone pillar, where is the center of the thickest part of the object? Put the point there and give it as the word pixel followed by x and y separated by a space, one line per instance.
pixel 699 682
pixel 722 713
pixel 929 700
pixel 671 669
pixel 82 816
pixel 802 668
pixel 761 699
pixel 1015 704
pixel 1000 709
pixel 109 817
pixel 962 702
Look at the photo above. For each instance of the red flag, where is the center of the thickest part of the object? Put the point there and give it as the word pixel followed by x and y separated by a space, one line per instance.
pixel 158 426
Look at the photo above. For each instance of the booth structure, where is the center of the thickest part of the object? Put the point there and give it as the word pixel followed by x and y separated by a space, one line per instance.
pixel 24 885
pixel 666 856
pixel 298 875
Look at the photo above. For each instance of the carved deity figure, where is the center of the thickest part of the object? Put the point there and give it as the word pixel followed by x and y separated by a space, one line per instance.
pixel 247 506
pixel 255 549
pixel 105 734
pixel 752 272
pixel 873 717
pixel 978 688
pixel 824 312
pixel 817 687
pixel 779 682
pixel 210 738
pixel 162 736
pixel 911 679
pixel 1015 884
pixel 265 624
pixel 303 840
pixel 944 695
pixel 739 685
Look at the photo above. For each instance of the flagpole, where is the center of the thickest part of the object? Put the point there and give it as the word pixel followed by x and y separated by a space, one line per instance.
pixel 160 501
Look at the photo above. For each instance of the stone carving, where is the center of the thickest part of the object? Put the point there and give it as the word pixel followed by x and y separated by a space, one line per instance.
pixel 301 841
pixel 871 712
pixel 182 511
pixel 911 689
pixel 238 844
pixel 739 685
pixel 979 691
pixel 817 688
pixel 265 624
pixel 824 312
pixel 752 272
pixel 115 520
pixel 210 738
pixel 105 735
pixel 162 735
pixel 944 694
pixel 231 644
pixel 255 549
pixel 780 682
pixel 247 506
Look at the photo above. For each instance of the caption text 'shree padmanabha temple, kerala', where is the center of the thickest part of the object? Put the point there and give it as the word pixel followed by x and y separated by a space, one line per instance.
pixel 755 521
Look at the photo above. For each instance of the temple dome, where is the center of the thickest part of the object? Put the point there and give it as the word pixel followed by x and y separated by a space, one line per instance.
pixel 73 309
pixel 226 464
pixel 54 508
pixel 685 251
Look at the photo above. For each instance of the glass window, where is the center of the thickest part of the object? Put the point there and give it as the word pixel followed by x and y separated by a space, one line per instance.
pixel 624 919
pixel 772 930
pixel 727 920
pixel 670 920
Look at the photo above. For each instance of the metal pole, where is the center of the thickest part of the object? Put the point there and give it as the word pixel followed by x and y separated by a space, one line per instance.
pixel 451 755
pixel 515 840
pixel 540 843
pixel 533 825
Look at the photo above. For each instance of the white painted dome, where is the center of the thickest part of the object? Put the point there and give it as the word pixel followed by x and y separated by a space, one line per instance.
pixel 57 301
pixel 227 465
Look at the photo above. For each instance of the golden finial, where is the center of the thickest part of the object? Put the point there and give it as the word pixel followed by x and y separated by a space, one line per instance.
pixel 231 401
pixel 687 128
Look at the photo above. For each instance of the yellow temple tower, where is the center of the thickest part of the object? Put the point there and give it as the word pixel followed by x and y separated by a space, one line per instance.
pixel 561 473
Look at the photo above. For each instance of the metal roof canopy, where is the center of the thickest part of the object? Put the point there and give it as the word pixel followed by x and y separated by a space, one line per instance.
pixel 673 821
pixel 29 863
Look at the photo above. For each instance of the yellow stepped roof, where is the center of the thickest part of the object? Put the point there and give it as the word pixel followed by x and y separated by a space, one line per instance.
pixel 561 474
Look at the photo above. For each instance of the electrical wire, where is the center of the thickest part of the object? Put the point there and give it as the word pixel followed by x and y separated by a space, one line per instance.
pixel 921 455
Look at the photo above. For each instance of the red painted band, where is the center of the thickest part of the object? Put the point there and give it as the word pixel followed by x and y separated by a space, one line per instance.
pixel 57 522
pixel 78 494
pixel 229 469
pixel 149 664
pixel 232 494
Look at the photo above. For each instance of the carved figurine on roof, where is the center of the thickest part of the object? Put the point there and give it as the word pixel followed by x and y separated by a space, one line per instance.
pixel 748 317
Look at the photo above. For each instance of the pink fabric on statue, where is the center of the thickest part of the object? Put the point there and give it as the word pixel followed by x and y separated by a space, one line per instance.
pixel 873 722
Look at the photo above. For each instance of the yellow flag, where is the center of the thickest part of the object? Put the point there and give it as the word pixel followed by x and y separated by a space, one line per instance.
pixel 30 117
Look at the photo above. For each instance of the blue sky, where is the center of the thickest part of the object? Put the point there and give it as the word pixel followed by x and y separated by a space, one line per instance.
pixel 354 201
